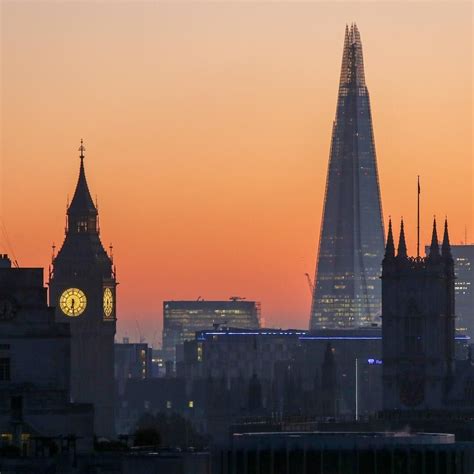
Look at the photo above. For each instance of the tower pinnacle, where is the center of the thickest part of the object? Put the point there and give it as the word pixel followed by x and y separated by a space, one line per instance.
pixel 390 248
pixel 402 245
pixel 446 247
pixel 82 204
pixel 434 247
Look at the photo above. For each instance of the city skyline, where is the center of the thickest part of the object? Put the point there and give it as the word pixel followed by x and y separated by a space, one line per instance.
pixel 217 218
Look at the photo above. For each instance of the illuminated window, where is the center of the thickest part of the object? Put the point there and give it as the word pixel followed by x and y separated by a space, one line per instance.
pixel 199 352
pixel 82 226
pixel 191 404
pixel 4 368
pixel 6 438
pixel 169 404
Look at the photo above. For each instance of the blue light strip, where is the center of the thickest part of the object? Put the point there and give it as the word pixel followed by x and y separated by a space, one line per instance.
pixel 342 338
pixel 303 336
pixel 224 333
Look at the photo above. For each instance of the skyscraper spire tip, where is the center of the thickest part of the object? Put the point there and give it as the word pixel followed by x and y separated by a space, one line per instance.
pixel 82 149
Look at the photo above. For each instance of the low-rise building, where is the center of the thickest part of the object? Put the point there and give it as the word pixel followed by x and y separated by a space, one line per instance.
pixel 344 452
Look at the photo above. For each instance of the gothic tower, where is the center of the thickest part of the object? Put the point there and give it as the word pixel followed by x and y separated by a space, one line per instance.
pixel 347 290
pixel 418 325
pixel 82 289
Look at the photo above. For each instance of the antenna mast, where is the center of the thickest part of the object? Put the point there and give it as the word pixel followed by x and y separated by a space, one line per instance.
pixel 418 221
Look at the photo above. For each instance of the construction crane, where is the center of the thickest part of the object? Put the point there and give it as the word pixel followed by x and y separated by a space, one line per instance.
pixel 142 339
pixel 310 284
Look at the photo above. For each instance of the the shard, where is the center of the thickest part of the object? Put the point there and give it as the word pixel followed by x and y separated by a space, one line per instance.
pixel 347 290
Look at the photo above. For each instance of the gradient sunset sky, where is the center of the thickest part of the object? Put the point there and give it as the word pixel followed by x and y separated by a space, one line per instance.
pixel 207 130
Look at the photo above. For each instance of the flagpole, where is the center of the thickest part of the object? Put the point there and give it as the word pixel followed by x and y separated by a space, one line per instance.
pixel 418 222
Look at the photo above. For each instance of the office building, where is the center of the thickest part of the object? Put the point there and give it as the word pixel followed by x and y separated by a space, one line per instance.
pixel 347 290
pixel 182 319
pixel 132 361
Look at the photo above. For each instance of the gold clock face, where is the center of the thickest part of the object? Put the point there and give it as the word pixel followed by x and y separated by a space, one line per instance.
pixel 108 302
pixel 73 302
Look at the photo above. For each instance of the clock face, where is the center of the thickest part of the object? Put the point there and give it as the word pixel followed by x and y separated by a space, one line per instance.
pixel 108 303
pixel 73 302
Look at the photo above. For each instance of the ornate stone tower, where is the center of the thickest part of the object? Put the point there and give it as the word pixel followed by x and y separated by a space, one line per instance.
pixel 82 289
pixel 417 325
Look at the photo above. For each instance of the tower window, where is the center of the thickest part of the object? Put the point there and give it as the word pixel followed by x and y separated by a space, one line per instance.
pixel 82 226
pixel 4 368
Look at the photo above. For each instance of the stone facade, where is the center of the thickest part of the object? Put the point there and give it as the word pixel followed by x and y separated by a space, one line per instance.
pixel 418 326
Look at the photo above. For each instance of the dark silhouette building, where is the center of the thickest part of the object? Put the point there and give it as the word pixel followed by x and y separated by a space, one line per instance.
pixel 329 384
pixel 341 452
pixel 418 326
pixel 36 412
pixel 82 288
pixel 347 292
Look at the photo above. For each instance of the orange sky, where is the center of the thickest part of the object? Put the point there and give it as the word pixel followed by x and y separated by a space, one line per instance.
pixel 207 128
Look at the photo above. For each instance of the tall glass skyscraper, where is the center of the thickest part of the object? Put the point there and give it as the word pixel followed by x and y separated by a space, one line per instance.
pixel 347 292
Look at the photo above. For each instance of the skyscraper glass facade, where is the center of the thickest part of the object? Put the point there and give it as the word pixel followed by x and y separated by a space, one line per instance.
pixel 347 292
pixel 181 319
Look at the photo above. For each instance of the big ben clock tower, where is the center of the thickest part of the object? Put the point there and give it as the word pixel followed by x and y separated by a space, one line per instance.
pixel 82 288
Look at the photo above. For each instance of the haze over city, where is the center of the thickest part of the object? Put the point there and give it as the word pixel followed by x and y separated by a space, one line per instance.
pixel 207 131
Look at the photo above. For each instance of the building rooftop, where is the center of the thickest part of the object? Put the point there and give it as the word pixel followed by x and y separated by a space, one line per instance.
pixel 362 333
pixel 339 439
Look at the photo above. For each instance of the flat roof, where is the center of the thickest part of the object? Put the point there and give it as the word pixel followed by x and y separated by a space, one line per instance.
pixel 205 304
pixel 360 334
pixel 337 439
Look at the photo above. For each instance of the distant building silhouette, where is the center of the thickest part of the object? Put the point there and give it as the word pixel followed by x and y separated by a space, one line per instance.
pixel 82 288
pixel 347 286
pixel 329 384
pixel 294 369
pixel 463 256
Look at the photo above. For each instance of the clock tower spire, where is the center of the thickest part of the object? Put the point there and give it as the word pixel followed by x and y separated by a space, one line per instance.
pixel 82 288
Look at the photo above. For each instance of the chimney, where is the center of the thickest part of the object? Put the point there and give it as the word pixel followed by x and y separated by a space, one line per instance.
pixel 5 262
